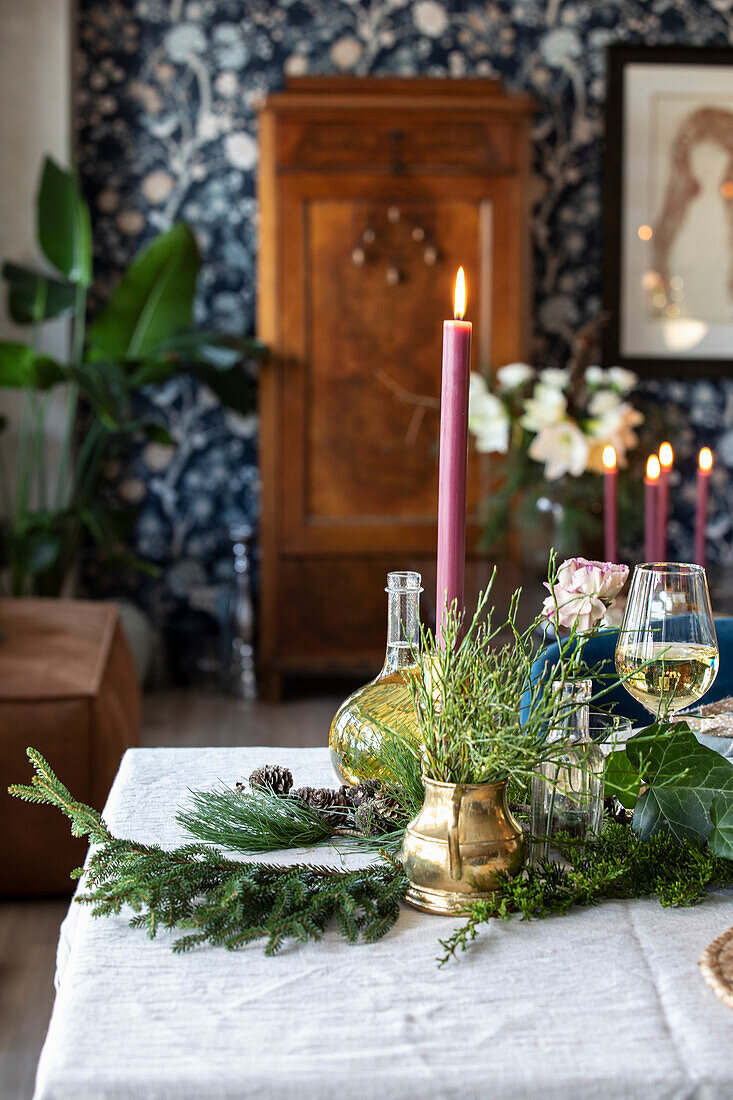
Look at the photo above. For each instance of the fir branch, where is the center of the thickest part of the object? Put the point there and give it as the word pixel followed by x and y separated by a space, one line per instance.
pixel 218 900
pixel 618 865
pixel 45 787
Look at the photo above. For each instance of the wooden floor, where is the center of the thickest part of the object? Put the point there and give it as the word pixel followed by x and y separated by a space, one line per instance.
pixel 29 930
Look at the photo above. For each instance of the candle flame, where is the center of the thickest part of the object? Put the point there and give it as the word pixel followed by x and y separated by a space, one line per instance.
pixel 653 468
pixel 609 457
pixel 459 297
pixel 666 456
pixel 706 459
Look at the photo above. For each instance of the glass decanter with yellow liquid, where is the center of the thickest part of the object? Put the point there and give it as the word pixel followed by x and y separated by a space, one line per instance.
pixel 356 731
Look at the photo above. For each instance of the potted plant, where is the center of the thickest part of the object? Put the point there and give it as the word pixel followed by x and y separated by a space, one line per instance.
pixel 141 336
pixel 483 716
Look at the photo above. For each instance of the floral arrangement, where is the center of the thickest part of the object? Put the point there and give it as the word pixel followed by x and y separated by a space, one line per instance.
pixel 552 426
pixel 585 594
pixel 566 425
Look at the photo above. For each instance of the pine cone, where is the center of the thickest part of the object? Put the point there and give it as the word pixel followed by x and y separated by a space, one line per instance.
pixel 273 777
pixel 363 793
pixel 321 798
pixel 377 815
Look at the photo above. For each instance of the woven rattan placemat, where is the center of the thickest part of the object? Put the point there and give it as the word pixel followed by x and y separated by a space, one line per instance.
pixel 716 965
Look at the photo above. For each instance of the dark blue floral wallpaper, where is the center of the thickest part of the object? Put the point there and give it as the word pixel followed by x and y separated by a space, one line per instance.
pixel 166 124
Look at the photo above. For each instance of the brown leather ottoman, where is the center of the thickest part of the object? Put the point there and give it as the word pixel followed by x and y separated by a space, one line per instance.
pixel 68 687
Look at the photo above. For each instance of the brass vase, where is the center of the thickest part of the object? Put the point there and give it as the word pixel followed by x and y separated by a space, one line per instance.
pixel 463 838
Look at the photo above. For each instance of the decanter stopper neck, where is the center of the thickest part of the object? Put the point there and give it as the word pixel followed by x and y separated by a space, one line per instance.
pixel 403 619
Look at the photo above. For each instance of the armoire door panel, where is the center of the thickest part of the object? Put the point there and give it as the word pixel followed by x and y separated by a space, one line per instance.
pixel 373 354
pixel 368 281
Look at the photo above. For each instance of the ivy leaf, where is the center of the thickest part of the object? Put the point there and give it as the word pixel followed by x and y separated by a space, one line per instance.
pixel 721 817
pixel 621 778
pixel 682 778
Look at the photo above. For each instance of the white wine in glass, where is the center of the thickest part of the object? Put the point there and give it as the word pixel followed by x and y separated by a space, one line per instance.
pixel 667 650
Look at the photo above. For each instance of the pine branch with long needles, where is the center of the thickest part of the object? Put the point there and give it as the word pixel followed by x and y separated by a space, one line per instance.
pixel 259 822
pixel 217 900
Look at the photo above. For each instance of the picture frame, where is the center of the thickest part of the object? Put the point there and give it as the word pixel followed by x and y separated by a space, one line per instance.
pixel 668 211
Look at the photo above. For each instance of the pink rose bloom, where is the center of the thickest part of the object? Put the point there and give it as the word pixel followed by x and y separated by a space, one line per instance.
pixel 603 579
pixel 583 593
pixel 574 609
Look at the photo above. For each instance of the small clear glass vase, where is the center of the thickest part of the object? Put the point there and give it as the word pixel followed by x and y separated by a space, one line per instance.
pixel 357 730
pixel 567 793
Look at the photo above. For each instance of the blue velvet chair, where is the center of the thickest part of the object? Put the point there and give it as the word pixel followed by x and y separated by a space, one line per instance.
pixel 599 655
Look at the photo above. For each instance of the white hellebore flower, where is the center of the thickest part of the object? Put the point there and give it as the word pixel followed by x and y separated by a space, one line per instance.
pixel 595 376
pixel 553 377
pixel 604 402
pixel 488 419
pixel 546 407
pixel 514 375
pixel 614 422
pixel 563 448
pixel 621 379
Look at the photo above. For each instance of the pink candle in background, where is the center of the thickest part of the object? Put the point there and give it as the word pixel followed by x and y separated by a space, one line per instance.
pixel 451 565
pixel 610 503
pixel 704 469
pixel 651 503
pixel 666 460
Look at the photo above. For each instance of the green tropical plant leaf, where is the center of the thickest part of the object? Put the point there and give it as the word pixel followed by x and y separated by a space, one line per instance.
pixel 34 297
pixel 106 387
pixel 213 349
pixel 21 367
pixel 156 433
pixel 682 779
pixel 152 302
pixel 64 226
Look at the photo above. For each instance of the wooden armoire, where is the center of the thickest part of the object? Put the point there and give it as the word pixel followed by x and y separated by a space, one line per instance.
pixel 372 192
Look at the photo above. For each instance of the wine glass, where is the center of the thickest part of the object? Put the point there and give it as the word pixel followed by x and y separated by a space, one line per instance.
pixel 667 649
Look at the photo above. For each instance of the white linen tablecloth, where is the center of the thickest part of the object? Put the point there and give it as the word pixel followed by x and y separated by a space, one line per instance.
pixel 602 1003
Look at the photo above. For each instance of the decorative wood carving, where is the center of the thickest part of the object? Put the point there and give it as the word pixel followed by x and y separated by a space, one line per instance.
pixel 372 192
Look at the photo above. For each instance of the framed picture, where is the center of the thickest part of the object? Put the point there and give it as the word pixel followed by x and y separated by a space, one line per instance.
pixel 668 202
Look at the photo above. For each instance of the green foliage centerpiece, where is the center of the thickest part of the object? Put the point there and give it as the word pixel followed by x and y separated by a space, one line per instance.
pixel 482 721
pixel 483 714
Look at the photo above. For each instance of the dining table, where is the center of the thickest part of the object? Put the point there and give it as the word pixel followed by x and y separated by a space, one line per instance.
pixel 603 1002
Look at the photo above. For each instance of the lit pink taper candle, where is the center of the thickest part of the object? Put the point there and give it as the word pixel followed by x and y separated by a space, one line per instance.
pixel 704 469
pixel 666 461
pixel 453 456
pixel 610 504
pixel 651 503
